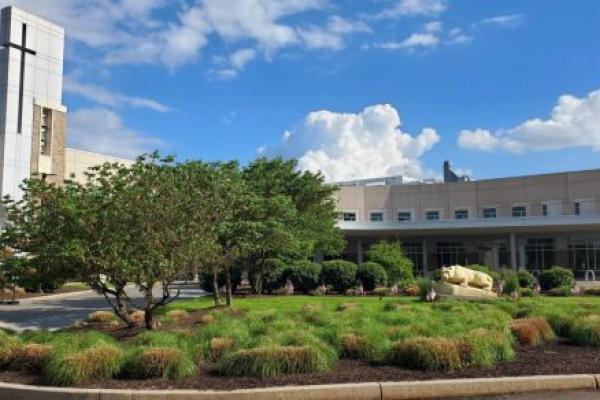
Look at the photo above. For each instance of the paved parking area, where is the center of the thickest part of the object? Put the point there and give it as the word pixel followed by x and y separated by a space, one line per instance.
pixel 59 311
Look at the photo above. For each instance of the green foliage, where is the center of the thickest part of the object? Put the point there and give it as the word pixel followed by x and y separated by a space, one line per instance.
pixel 424 285
pixel 484 348
pixel 340 274
pixel 585 331
pixel 304 274
pixel 556 277
pixel 391 257
pixel 428 354
pixel 371 275
pixel 100 361
pixel 272 278
pixel 561 291
pixel 8 345
pixel 511 283
pixel 158 362
pixel 526 279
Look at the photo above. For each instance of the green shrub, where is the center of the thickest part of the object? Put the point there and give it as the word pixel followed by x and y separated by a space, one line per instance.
pixel 272 278
pixel 304 274
pixel 274 360
pixel 371 275
pixel 526 279
pixel 381 291
pixel 526 292
pixel 100 361
pixel 340 274
pixel 158 362
pixel 391 257
pixel 562 291
pixel 427 354
pixel 424 287
pixel 556 277
pixel 511 283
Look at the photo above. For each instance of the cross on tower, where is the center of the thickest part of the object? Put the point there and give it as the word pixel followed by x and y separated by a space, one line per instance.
pixel 24 50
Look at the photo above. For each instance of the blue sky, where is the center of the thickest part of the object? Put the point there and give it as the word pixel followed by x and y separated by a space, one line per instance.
pixel 500 87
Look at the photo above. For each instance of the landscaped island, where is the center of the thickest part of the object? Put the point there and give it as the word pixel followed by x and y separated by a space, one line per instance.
pixel 273 340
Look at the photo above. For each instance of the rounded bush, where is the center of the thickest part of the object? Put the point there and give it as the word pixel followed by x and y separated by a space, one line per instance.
pixel 556 277
pixel 305 275
pixel 427 354
pixel 532 331
pixel 371 275
pixel 391 257
pixel 32 357
pixel 511 283
pixel 340 274
pixel 526 279
pixel 273 274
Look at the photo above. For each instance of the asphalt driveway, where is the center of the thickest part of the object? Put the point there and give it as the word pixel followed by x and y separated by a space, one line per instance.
pixel 62 310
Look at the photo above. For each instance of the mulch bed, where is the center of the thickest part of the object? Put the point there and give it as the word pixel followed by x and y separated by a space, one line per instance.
pixel 558 358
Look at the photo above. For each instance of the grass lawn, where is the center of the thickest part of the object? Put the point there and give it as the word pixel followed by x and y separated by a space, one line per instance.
pixel 285 335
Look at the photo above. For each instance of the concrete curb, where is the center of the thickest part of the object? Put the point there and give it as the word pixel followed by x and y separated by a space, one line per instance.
pixel 435 389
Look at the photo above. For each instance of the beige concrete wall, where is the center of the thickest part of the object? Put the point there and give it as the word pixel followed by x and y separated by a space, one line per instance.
pixel 79 161
pixel 532 191
pixel 57 163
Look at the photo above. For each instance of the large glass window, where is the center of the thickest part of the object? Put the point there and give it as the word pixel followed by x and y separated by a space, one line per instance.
pixel 432 215
pixel 489 213
pixel 584 254
pixel 519 211
pixel 539 253
pixel 451 253
pixel 577 207
pixel 414 250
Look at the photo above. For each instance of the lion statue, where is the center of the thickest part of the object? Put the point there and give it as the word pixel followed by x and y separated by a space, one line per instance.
pixel 467 277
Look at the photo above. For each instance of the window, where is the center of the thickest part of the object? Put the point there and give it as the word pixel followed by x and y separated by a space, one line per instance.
pixel 376 216
pixel 461 214
pixel 489 213
pixel 404 216
pixel 414 251
pixel 46 132
pixel 349 216
pixel 539 253
pixel 451 253
pixel 432 215
pixel 577 208
pixel 545 210
pixel 519 211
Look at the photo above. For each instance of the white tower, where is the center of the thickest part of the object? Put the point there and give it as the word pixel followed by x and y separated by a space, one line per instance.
pixel 32 117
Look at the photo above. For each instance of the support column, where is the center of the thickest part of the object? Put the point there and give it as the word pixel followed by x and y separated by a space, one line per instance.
pixel 522 257
pixel 513 251
pixel 359 251
pixel 425 260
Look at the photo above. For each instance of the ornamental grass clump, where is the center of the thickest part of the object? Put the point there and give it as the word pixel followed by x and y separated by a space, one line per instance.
pixel 100 361
pixel 532 331
pixel 219 347
pixel 484 348
pixel 32 357
pixel 158 362
pixel 346 306
pixel 9 344
pixel 178 315
pixel 427 354
pixel 585 331
pixel 101 317
pixel 274 360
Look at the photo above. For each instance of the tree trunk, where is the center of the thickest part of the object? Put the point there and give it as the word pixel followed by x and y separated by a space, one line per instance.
pixel 229 294
pixel 215 285
pixel 258 282
pixel 149 309
pixel 119 306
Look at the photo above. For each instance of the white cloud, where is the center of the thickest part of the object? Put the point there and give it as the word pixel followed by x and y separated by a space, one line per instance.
pixel 333 34
pixel 352 146
pixel 432 35
pixel 457 36
pixel 574 122
pixel 105 97
pixel 503 21
pixel 102 130
pixel 409 8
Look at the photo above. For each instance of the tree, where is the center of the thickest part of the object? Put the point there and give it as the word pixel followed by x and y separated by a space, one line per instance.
pixel 391 257
pixel 292 214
